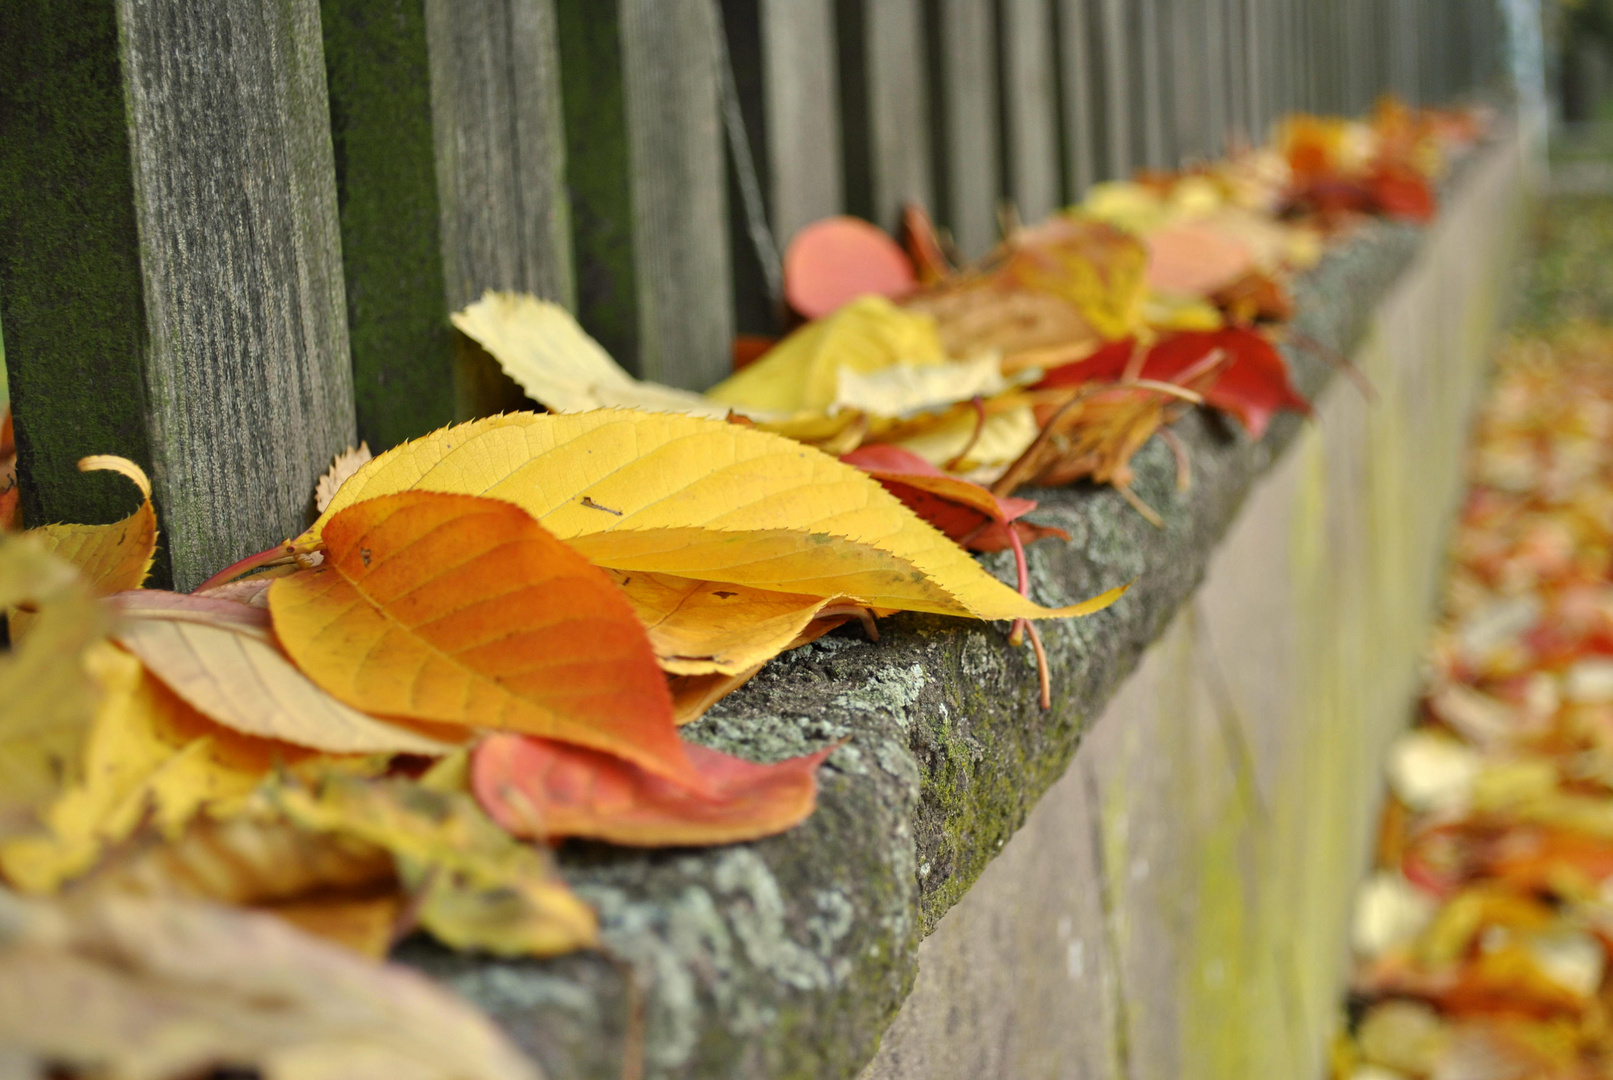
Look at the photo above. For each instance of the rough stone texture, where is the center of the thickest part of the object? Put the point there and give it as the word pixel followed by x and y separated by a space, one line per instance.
pixel 1177 904
pixel 788 957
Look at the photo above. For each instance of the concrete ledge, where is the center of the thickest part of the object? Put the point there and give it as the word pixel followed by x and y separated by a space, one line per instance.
pixel 790 957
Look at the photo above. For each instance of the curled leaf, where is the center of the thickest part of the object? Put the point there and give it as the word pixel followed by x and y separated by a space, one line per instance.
pixel 112 557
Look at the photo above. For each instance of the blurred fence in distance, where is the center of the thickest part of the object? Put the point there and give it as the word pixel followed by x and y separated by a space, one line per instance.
pixel 641 161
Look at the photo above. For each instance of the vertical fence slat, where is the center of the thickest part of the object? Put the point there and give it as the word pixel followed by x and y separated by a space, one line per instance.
pixel 1031 93
pixel 72 301
pixel 1186 59
pixel 802 101
pixel 379 80
pixel 898 109
pixel 1115 99
pixel 680 214
pixel 1077 66
pixel 500 162
pixel 235 250
pixel 967 121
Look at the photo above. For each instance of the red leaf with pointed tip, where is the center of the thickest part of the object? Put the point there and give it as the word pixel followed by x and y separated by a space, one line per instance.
pixel 547 790
pixel 1252 385
pixel 833 261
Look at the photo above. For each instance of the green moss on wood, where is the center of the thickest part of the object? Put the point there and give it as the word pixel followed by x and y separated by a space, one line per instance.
pixel 380 104
pixel 71 293
pixel 597 173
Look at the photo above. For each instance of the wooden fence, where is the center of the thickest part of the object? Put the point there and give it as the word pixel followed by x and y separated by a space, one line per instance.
pixel 231 230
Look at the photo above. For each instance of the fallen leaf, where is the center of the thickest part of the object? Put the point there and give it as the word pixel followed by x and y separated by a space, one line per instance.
pixel 343 466
pixel 1252 383
pixel 149 989
pixel 50 681
pixel 802 373
pixel 547 790
pixel 697 499
pixel 539 344
pixel 112 557
pixel 906 390
pixel 1195 259
pixel 149 758
pixel 967 512
pixel 712 627
pixel 455 609
pixel 474 886
pixel 832 262
pixel 365 923
pixel 237 676
pixel 1101 270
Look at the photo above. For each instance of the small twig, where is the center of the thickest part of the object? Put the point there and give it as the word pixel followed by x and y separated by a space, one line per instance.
pixel 1148 512
pixel 1208 363
pixel 1042 674
pixel 278 555
pixel 956 462
pixel 1338 360
pixel 856 611
pixel 1184 467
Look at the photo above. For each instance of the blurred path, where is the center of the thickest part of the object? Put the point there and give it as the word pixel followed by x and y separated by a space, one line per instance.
pixel 1484 936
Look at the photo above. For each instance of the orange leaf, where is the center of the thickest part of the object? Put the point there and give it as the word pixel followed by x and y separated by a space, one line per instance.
pixel 463 610
pixel 548 790
pixel 832 262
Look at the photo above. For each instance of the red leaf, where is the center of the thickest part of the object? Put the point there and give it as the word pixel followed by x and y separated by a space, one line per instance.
pixel 832 262
pixel 965 511
pixel 548 790
pixel 1401 191
pixel 1252 385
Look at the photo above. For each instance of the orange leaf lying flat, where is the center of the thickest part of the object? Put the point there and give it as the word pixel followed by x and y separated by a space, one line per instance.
pixel 463 610
pixel 541 789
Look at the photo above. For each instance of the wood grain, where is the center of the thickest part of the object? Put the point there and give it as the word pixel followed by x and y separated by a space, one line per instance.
pixel 968 150
pixel 1031 87
pixel 801 99
pixel 680 205
pixel 249 390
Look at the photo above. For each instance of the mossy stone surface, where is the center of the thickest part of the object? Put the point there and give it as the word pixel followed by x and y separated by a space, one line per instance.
pixel 788 957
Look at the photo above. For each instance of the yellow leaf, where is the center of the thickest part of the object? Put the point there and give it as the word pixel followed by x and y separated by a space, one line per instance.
pixel 365 923
pixel 705 500
pixel 49 681
pixel 482 889
pixel 146 989
pixel 541 347
pixel 802 372
pixel 907 389
pixel 149 755
pixel 237 676
pixel 1003 437
pixel 112 557
pixel 709 627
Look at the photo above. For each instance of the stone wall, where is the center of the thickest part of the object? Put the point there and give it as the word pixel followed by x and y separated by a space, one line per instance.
pixel 1176 905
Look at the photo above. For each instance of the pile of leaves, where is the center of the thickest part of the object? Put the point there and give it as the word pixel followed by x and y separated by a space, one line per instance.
pixel 1484 936
pixel 487 641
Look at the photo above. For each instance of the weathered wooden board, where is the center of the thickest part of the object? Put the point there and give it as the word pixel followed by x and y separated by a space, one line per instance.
pixel 210 272
pixel 966 122
pixel 801 99
pixel 680 213
pixel 1030 88
pixel 1118 159
pixel 1079 94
